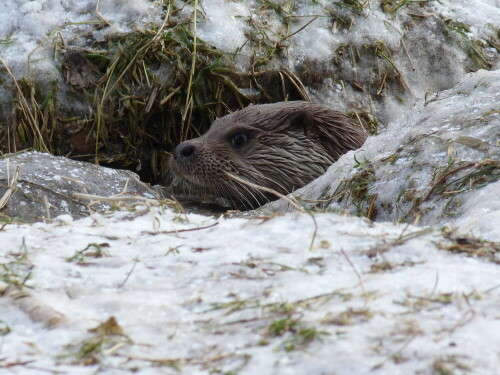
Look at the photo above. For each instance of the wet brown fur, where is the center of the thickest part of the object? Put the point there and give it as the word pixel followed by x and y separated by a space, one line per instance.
pixel 288 145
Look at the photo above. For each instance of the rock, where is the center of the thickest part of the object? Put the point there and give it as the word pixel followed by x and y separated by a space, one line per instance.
pixel 44 185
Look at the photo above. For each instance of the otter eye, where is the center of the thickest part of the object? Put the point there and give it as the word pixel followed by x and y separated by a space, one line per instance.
pixel 238 140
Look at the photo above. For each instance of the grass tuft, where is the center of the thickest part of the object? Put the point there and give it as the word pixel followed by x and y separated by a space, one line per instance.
pixel 355 191
pixel 93 250
pixel 392 6
pixel 471 246
pixel 301 334
pixel 16 272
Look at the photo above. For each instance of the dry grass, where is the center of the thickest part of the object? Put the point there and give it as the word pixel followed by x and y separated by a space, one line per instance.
pixel 145 91
pixel 354 191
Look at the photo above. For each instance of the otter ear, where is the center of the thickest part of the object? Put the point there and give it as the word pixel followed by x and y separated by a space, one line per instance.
pixel 302 120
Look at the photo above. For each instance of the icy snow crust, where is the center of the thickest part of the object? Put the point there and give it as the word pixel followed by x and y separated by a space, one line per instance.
pixel 27 23
pixel 204 299
pixel 206 295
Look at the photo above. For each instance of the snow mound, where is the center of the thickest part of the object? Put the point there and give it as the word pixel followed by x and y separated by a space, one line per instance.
pixel 439 164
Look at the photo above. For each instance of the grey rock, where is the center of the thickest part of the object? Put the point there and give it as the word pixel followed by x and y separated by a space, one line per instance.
pixel 46 185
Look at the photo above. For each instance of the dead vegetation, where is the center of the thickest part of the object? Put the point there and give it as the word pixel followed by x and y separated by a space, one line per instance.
pixel 453 179
pixel 392 6
pixel 104 340
pixel 470 246
pixel 448 182
pixel 354 191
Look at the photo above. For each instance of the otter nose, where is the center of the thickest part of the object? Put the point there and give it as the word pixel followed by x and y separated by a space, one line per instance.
pixel 184 151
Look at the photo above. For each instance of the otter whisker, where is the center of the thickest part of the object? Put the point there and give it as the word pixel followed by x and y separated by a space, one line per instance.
pixel 232 193
pixel 229 191
pixel 292 201
pixel 250 194
pixel 254 176
pixel 262 176
pixel 238 191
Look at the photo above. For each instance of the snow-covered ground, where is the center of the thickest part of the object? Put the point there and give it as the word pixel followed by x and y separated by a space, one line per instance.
pixel 28 27
pixel 247 296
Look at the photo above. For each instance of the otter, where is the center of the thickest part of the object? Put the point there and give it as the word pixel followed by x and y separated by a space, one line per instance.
pixel 281 146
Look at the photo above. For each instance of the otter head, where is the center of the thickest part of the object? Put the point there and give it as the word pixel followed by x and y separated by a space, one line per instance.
pixel 281 146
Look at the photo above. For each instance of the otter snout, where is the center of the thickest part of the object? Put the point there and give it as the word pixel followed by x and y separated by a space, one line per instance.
pixel 184 151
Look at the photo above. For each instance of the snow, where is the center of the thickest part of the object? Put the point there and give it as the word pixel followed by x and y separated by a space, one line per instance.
pixel 481 213
pixel 223 21
pixel 462 11
pixel 172 294
pixel 26 26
